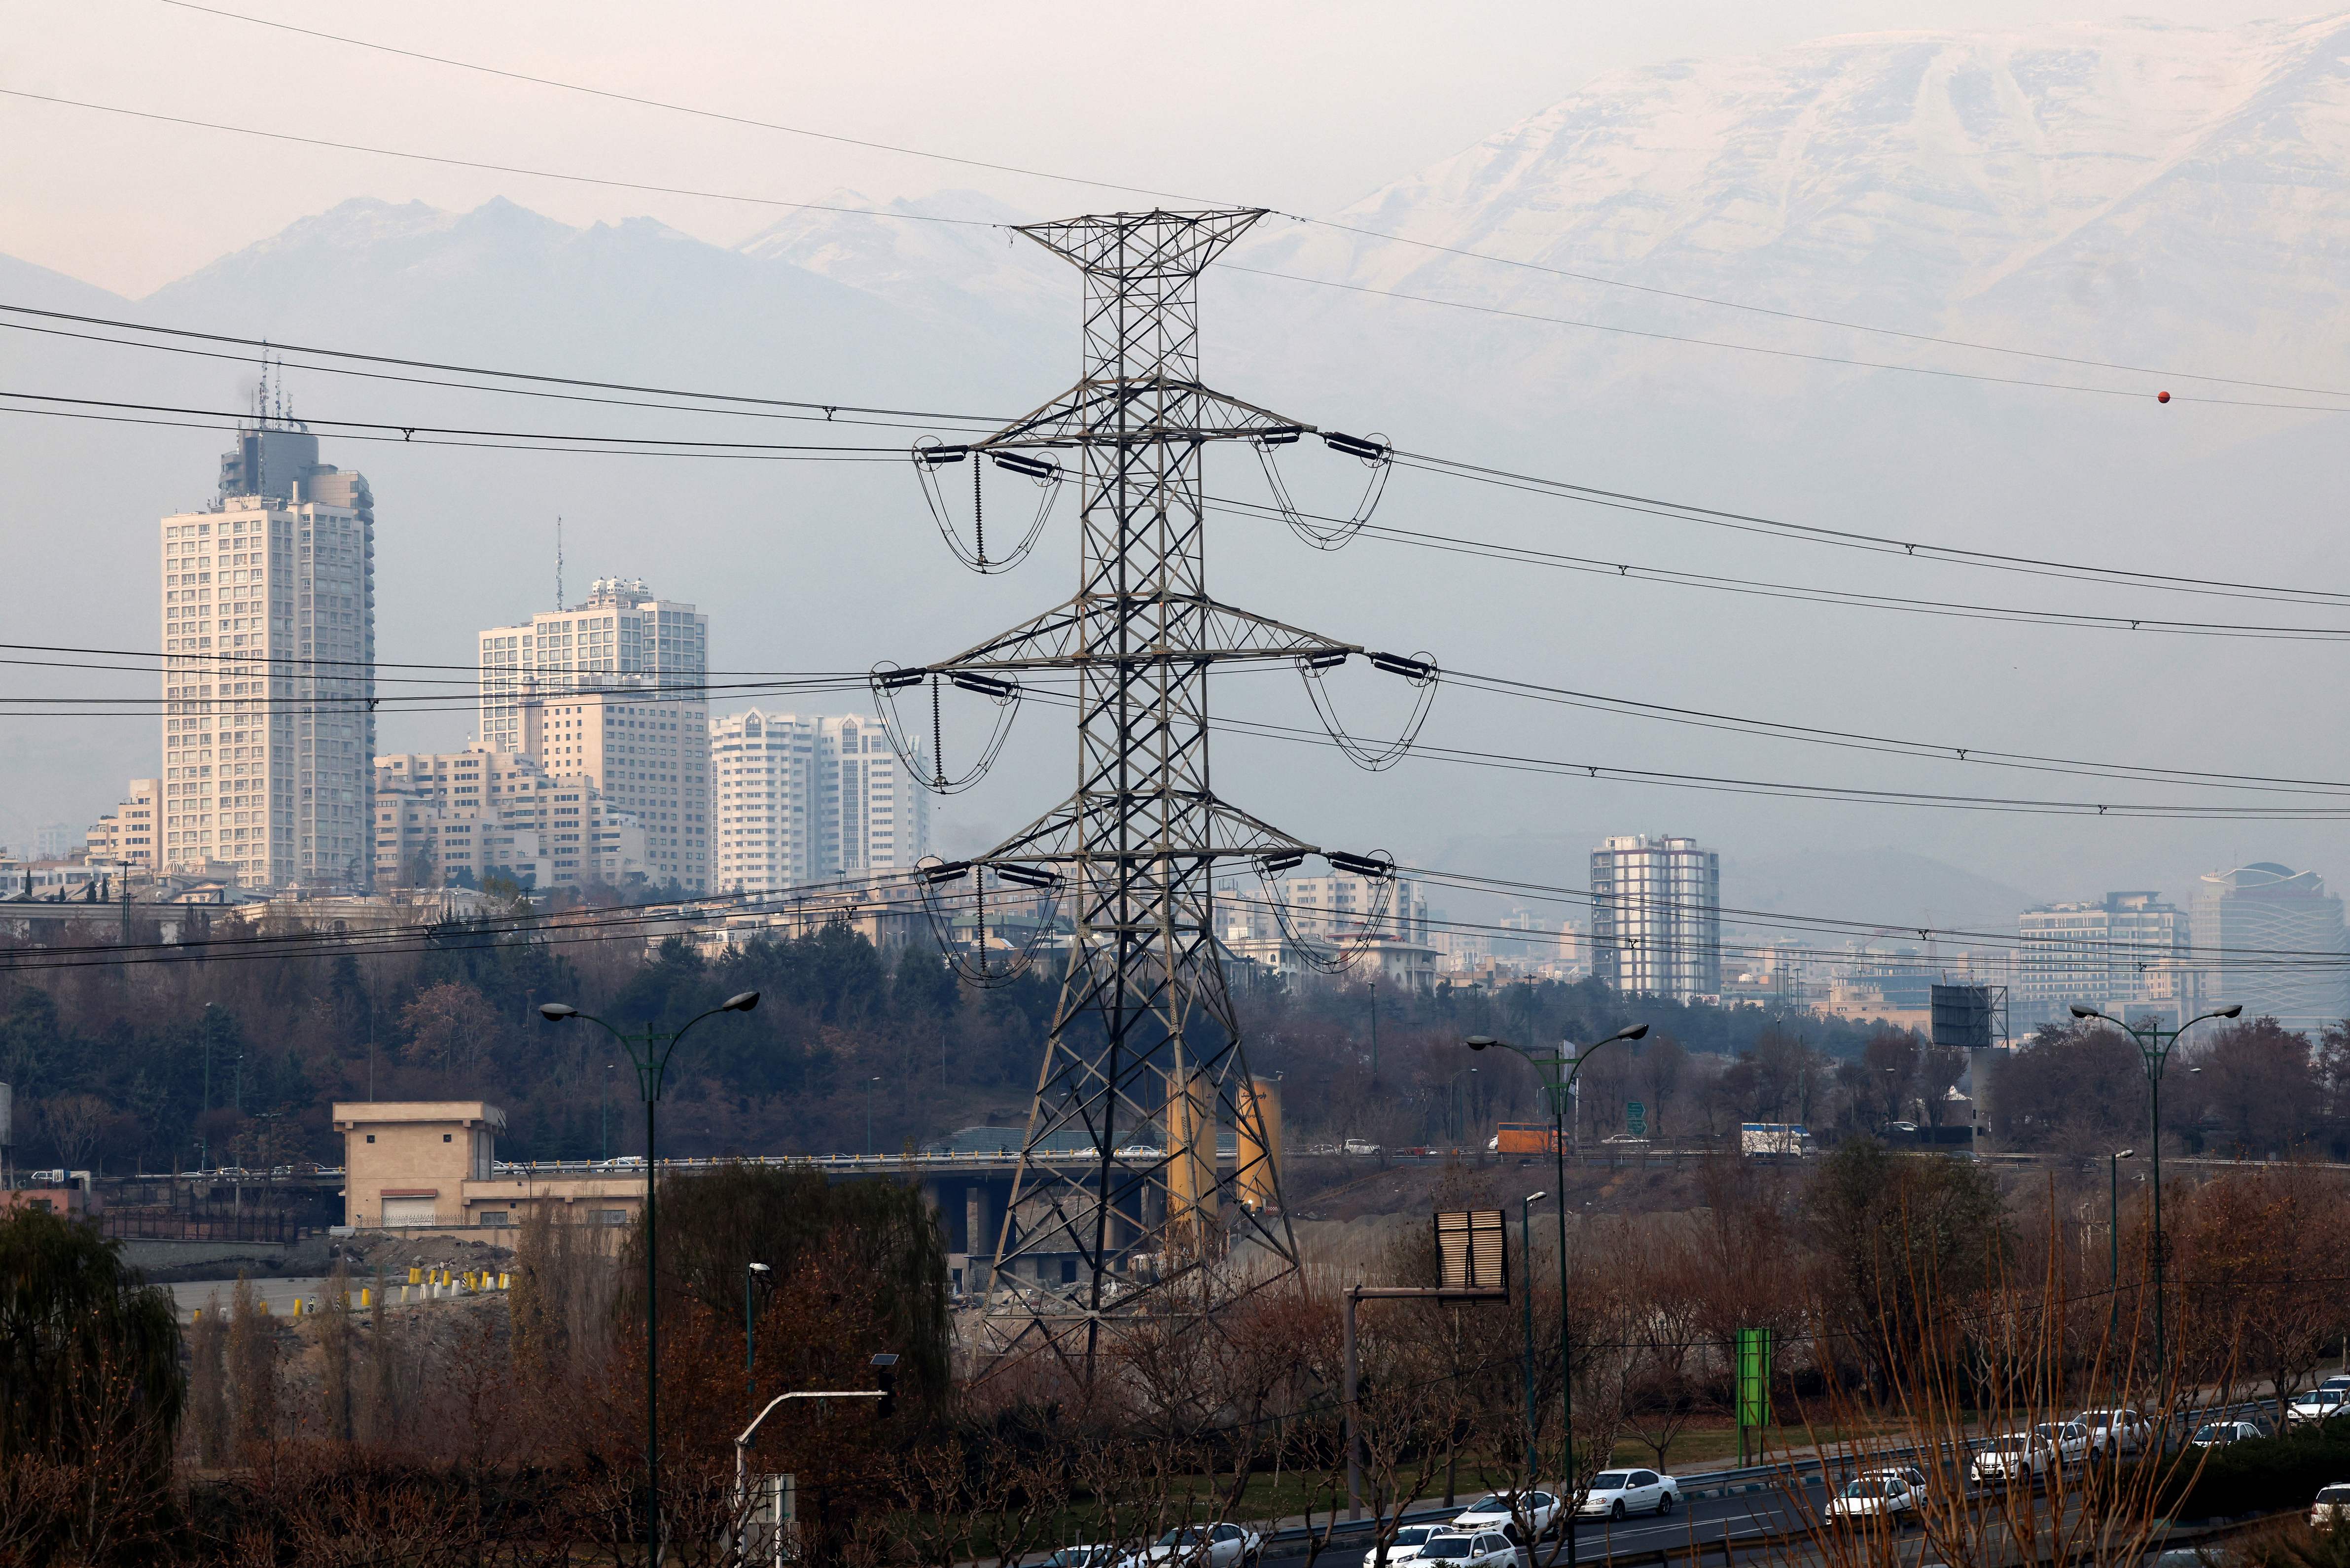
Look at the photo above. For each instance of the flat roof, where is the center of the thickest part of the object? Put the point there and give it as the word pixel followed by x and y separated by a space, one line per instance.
pixel 372 1113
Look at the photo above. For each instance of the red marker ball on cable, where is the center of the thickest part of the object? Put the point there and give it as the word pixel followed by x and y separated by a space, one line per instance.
pixel 2162 397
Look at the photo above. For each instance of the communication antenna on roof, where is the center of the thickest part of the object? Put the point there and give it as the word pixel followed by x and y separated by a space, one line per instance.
pixel 260 393
pixel 559 562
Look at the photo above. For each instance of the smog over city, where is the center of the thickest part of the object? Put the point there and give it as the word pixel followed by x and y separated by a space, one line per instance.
pixel 1158 788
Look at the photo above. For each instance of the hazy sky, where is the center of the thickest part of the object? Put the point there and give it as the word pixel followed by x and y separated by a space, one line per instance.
pixel 1296 106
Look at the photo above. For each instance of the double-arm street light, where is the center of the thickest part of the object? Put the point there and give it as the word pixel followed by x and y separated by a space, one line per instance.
pixel 2153 1048
pixel 1558 1072
pixel 1526 1251
pixel 649 1052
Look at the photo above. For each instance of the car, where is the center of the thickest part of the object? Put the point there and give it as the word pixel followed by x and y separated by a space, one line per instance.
pixel 2119 1430
pixel 2069 1440
pixel 1615 1493
pixel 1138 1151
pixel 2341 1381
pixel 1201 1546
pixel 1623 1138
pixel 1358 1145
pixel 2010 1458
pixel 2218 1434
pixel 1405 1547
pixel 2331 1506
pixel 2318 1405
pixel 1459 1549
pixel 1534 1510
pixel 1880 1494
pixel 1082 1556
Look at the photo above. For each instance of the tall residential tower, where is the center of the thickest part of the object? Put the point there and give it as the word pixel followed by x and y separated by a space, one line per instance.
pixel 269 626
pixel 799 798
pixel 1655 917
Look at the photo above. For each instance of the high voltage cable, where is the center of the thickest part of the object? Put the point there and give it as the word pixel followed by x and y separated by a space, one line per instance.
pixel 686 108
pixel 264 358
pixel 1332 224
pixel 1613 499
pixel 1847 599
pixel 1847 360
pixel 478 164
pixel 1876 544
pixel 541 377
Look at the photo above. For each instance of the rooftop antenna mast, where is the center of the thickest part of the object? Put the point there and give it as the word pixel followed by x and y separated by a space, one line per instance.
pixel 1144 1061
pixel 558 562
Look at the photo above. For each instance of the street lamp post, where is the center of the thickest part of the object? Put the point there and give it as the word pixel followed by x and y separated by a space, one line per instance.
pixel 868 1114
pixel 2114 1234
pixel 1526 1251
pixel 2153 1048
pixel 1558 1071
pixel 650 1053
pixel 752 1274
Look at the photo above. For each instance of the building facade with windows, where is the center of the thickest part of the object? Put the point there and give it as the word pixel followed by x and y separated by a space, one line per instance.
pixel 268 637
pixel 2121 954
pixel 801 799
pixel 132 834
pixel 464 816
pixel 613 690
pixel 2270 932
pixel 1655 917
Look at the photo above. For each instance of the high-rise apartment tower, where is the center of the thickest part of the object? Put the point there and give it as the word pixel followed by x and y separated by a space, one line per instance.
pixel 614 689
pixel 269 627
pixel 798 798
pixel 1655 917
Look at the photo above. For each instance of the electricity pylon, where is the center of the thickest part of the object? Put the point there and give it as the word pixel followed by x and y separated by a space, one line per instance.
pixel 1119 1171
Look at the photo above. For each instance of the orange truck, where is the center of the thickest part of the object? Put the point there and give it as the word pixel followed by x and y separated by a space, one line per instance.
pixel 1524 1138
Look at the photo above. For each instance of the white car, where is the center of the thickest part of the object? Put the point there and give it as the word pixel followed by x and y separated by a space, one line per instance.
pixel 2011 1457
pixel 1405 1547
pixel 2342 1382
pixel 2068 1441
pixel 1201 1546
pixel 1536 1510
pixel 2318 1405
pixel 2120 1430
pixel 1615 1493
pixel 2218 1434
pixel 1363 1146
pixel 1880 1494
pixel 1082 1557
pixel 1480 1549
pixel 2331 1506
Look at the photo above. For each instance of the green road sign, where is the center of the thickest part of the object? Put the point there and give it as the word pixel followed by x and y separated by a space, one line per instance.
pixel 1754 1377
pixel 1635 1118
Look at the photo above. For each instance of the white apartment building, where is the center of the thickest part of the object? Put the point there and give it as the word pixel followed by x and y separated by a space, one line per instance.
pixel 612 691
pixel 2118 955
pixel 131 834
pixel 437 813
pixel 798 798
pixel 268 630
pixel 1337 905
pixel 1655 917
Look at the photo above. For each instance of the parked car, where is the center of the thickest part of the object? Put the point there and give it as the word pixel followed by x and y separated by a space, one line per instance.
pixel 1201 1546
pixel 1482 1549
pixel 2119 1431
pixel 2339 1381
pixel 1407 1545
pixel 2011 1457
pixel 2217 1434
pixel 1880 1494
pixel 1359 1145
pixel 1082 1557
pixel 1615 1493
pixel 1534 1510
pixel 2318 1405
pixel 2069 1440
pixel 2331 1506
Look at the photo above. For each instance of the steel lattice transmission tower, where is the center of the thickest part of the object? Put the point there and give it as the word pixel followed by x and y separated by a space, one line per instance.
pixel 1145 1060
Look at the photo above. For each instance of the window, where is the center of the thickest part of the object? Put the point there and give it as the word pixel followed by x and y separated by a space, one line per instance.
pixel 498 1219
pixel 448 1137
pixel 370 1138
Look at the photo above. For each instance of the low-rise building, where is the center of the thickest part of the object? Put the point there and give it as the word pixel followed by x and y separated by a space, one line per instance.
pixel 432 1165
pixel 466 816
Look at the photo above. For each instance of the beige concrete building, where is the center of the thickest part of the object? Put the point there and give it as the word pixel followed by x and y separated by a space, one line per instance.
pixel 439 812
pixel 432 1165
pixel 132 834
pixel 268 630
pixel 612 691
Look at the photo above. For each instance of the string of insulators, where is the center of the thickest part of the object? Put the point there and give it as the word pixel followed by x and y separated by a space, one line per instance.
pixel 1354 446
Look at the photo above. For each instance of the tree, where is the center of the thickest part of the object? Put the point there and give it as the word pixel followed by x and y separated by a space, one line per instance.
pixel 89 1381
pixel 447 1026
pixel 75 1123
pixel 1890 1059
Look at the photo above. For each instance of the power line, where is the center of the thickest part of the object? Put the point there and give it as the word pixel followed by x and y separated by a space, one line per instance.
pixel 273 346
pixel 488 168
pixel 688 108
pixel 1847 360
pixel 1331 224
pixel 1878 544
pixel 1720 303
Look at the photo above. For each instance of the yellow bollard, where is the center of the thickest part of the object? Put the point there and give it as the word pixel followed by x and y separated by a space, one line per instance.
pixel 363 1297
pixel 264 1307
pixel 415 1276
pixel 298 1306
pixel 502 1282
pixel 200 1316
